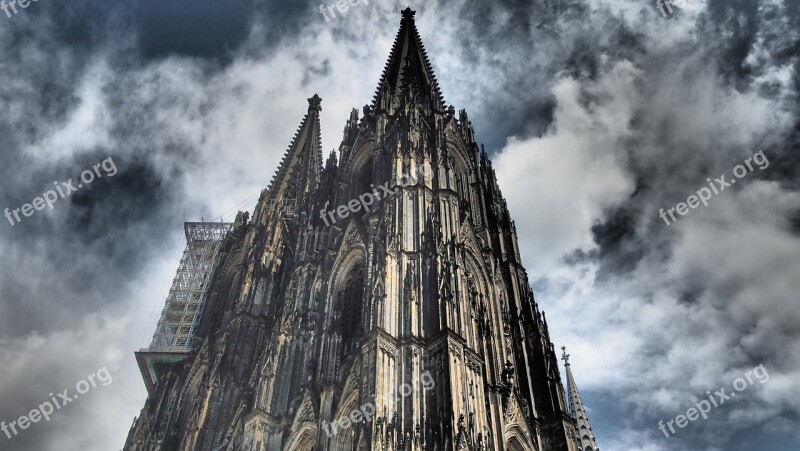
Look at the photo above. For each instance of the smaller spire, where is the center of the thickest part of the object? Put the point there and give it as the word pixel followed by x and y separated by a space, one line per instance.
pixel 298 173
pixel 585 438
pixel 331 162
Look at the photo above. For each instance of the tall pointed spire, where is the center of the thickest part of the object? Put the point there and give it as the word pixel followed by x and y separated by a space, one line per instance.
pixel 333 296
pixel 298 175
pixel 586 440
pixel 408 70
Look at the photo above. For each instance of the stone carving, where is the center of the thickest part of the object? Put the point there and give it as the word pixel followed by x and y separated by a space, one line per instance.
pixel 318 313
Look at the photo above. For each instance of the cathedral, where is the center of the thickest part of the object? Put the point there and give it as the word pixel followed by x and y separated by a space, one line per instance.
pixel 375 300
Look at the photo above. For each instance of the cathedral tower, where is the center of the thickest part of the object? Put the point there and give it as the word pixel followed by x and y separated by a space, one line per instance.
pixel 373 302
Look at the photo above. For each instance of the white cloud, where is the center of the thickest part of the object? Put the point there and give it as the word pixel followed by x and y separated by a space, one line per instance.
pixel 559 185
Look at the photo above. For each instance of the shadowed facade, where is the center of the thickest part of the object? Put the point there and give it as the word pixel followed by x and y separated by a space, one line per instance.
pixel 304 322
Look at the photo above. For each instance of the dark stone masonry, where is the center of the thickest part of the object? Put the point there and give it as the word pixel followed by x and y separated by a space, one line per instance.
pixel 304 321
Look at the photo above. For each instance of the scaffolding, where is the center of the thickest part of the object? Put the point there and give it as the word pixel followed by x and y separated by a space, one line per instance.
pixel 173 339
pixel 187 296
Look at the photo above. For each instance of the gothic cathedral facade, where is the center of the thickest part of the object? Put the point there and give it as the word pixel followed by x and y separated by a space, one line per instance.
pixel 315 322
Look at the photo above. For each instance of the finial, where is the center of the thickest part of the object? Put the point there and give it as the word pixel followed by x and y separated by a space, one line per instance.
pixel 564 355
pixel 408 13
pixel 315 104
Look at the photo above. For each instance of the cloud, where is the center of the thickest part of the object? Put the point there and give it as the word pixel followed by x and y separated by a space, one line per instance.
pixel 575 171
pixel 656 314
pixel 37 366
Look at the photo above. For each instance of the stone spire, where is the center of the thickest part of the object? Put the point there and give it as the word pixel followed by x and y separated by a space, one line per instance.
pixel 585 438
pixel 408 72
pixel 307 324
pixel 298 174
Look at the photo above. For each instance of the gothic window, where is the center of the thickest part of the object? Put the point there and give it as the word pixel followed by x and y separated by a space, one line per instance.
pixel 462 184
pixel 350 299
pixel 362 178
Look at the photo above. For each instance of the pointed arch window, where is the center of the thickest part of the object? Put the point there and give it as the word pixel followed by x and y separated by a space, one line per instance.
pixel 350 299
pixel 362 178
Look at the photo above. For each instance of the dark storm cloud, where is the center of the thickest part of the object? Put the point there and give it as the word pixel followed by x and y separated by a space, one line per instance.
pixel 51 85
pixel 747 30
pixel 521 37
pixel 618 246
pixel 205 28
pixel 84 249
pixel 536 42
pixel 212 28
pixel 74 93
pixel 53 48
pixel 696 303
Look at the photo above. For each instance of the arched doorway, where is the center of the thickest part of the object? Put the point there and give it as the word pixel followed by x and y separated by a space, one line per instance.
pixel 518 440
pixel 304 439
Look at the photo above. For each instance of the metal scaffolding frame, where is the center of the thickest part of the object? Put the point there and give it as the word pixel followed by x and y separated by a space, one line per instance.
pixel 187 296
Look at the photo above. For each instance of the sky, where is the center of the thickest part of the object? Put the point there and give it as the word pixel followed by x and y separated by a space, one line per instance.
pixel 598 115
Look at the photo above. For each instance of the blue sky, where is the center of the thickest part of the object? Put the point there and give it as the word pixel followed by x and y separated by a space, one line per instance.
pixel 597 115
